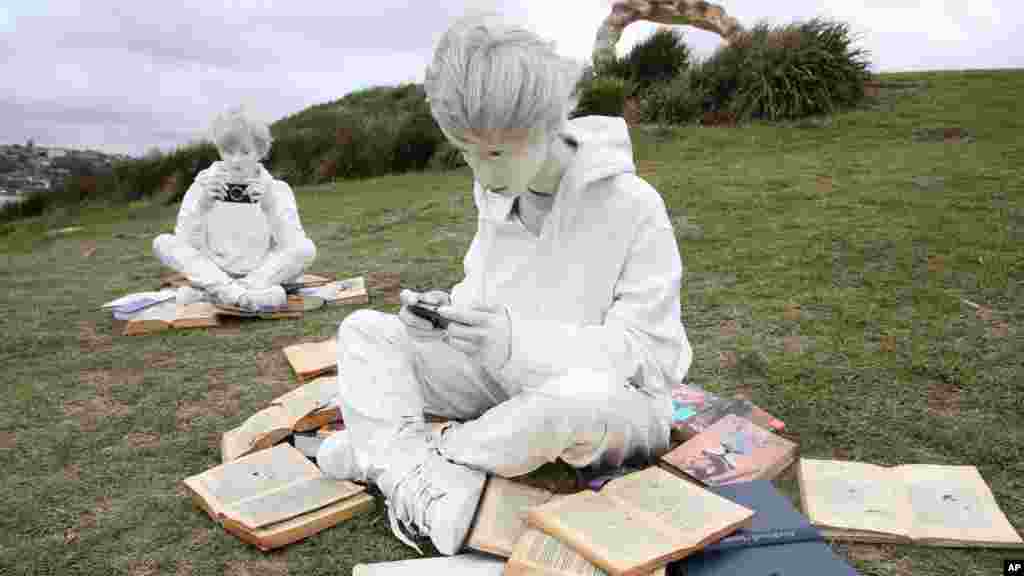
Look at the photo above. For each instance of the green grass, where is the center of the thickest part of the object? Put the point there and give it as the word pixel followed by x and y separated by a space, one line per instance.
pixel 826 270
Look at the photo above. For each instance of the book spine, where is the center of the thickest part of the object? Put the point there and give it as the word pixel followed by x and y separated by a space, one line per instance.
pixel 766 538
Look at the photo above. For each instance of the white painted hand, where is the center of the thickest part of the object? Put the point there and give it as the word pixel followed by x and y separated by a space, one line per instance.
pixel 259 189
pixel 212 182
pixel 482 333
pixel 420 328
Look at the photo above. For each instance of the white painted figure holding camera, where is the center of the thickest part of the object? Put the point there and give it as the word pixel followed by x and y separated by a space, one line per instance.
pixel 564 337
pixel 238 236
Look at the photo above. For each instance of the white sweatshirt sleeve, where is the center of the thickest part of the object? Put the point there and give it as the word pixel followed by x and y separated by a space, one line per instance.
pixel 191 224
pixel 283 217
pixel 642 338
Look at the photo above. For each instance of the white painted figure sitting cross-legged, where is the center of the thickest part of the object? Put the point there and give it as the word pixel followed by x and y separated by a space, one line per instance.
pixel 565 333
pixel 238 236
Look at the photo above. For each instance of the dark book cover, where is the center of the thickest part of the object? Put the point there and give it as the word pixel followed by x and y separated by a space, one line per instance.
pixel 780 541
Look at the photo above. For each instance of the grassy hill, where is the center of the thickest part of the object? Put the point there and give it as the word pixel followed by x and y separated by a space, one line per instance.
pixel 861 278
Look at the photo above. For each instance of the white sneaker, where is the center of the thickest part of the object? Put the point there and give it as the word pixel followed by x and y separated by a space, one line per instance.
pixel 264 300
pixel 227 294
pixel 188 295
pixel 435 498
pixel 337 459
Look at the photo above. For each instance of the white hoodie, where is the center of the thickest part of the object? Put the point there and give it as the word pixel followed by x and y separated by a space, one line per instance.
pixel 599 288
pixel 238 237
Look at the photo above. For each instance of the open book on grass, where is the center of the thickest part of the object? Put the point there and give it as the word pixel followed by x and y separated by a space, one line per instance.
pixel 305 408
pixel 921 503
pixel 275 497
pixel 311 359
pixel 639 522
pixel 538 554
pixel 501 516
pixel 167 315
pixel 295 306
pixel 458 565
pixel 350 291
pixel 733 449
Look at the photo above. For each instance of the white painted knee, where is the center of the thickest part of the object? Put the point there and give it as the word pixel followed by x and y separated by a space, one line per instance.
pixel 366 324
pixel 306 252
pixel 583 385
pixel 165 248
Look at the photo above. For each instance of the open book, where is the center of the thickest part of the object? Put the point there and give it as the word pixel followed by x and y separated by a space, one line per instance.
pixel 125 306
pixel 307 407
pixel 538 554
pixel 501 516
pixel 458 565
pixel 350 291
pixel 311 359
pixel 921 503
pixel 733 449
pixel 294 308
pixel 639 522
pixel 275 497
pixel 167 315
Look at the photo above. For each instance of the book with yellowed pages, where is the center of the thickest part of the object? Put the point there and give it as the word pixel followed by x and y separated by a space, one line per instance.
pixel 733 449
pixel 924 504
pixel 294 308
pixel 275 497
pixel 458 565
pixel 350 291
pixel 305 408
pixel 538 554
pixel 311 359
pixel 169 314
pixel 639 522
pixel 501 516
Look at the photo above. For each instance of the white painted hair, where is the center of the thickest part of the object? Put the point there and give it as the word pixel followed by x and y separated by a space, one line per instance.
pixel 234 126
pixel 490 75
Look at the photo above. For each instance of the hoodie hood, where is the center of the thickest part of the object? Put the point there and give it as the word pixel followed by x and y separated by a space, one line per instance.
pixel 604 150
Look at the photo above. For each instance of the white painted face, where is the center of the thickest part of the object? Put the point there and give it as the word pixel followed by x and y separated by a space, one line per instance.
pixel 504 162
pixel 240 156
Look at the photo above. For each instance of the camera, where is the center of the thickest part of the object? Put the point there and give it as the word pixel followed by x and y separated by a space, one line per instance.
pixel 237 193
pixel 429 312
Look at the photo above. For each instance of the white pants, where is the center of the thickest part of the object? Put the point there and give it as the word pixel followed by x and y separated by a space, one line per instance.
pixel 387 380
pixel 278 267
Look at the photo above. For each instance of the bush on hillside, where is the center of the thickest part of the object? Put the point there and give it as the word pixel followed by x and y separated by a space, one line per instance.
pixel 602 96
pixel 655 60
pixel 791 72
pixel 678 101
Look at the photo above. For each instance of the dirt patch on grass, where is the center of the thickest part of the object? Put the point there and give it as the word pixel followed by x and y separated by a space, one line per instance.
pixel 220 398
pixel 868 552
pixel 384 287
pixel 95 411
pixel 160 360
pixel 145 567
pixel 257 568
pixel 104 381
pixel 72 472
pixel 8 440
pixel 274 371
pixel 727 360
pixel 791 312
pixel 728 328
pixel 142 440
pixel 792 345
pixel 89 340
pixel 944 399
pixel 184 568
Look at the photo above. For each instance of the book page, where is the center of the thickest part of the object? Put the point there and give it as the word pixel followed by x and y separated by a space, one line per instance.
pixel 255 474
pixel 308 398
pixel 612 535
pixel 458 565
pixel 162 312
pixel 195 314
pixel 538 553
pixel 853 496
pixel 953 503
pixel 312 357
pixel 501 516
pixel 294 499
pixel 692 511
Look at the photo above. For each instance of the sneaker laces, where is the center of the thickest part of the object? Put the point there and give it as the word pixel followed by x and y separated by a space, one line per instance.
pixel 409 503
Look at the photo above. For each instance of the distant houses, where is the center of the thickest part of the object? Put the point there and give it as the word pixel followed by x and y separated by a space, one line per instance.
pixel 31 168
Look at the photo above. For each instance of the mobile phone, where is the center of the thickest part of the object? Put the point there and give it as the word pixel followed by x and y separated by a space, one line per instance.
pixel 429 312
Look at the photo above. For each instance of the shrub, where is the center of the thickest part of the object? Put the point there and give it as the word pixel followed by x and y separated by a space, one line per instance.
pixel 603 96
pixel 678 101
pixel 783 73
pixel 656 60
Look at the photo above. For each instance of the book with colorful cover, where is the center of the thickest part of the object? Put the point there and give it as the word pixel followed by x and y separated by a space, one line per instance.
pixel 694 410
pixel 733 449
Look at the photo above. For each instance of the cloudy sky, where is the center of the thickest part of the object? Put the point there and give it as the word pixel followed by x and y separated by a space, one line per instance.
pixel 125 77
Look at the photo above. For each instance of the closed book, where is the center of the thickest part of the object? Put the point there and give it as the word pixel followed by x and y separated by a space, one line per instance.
pixel 780 540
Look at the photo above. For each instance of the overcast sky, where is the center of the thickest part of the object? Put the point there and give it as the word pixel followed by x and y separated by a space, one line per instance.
pixel 124 77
